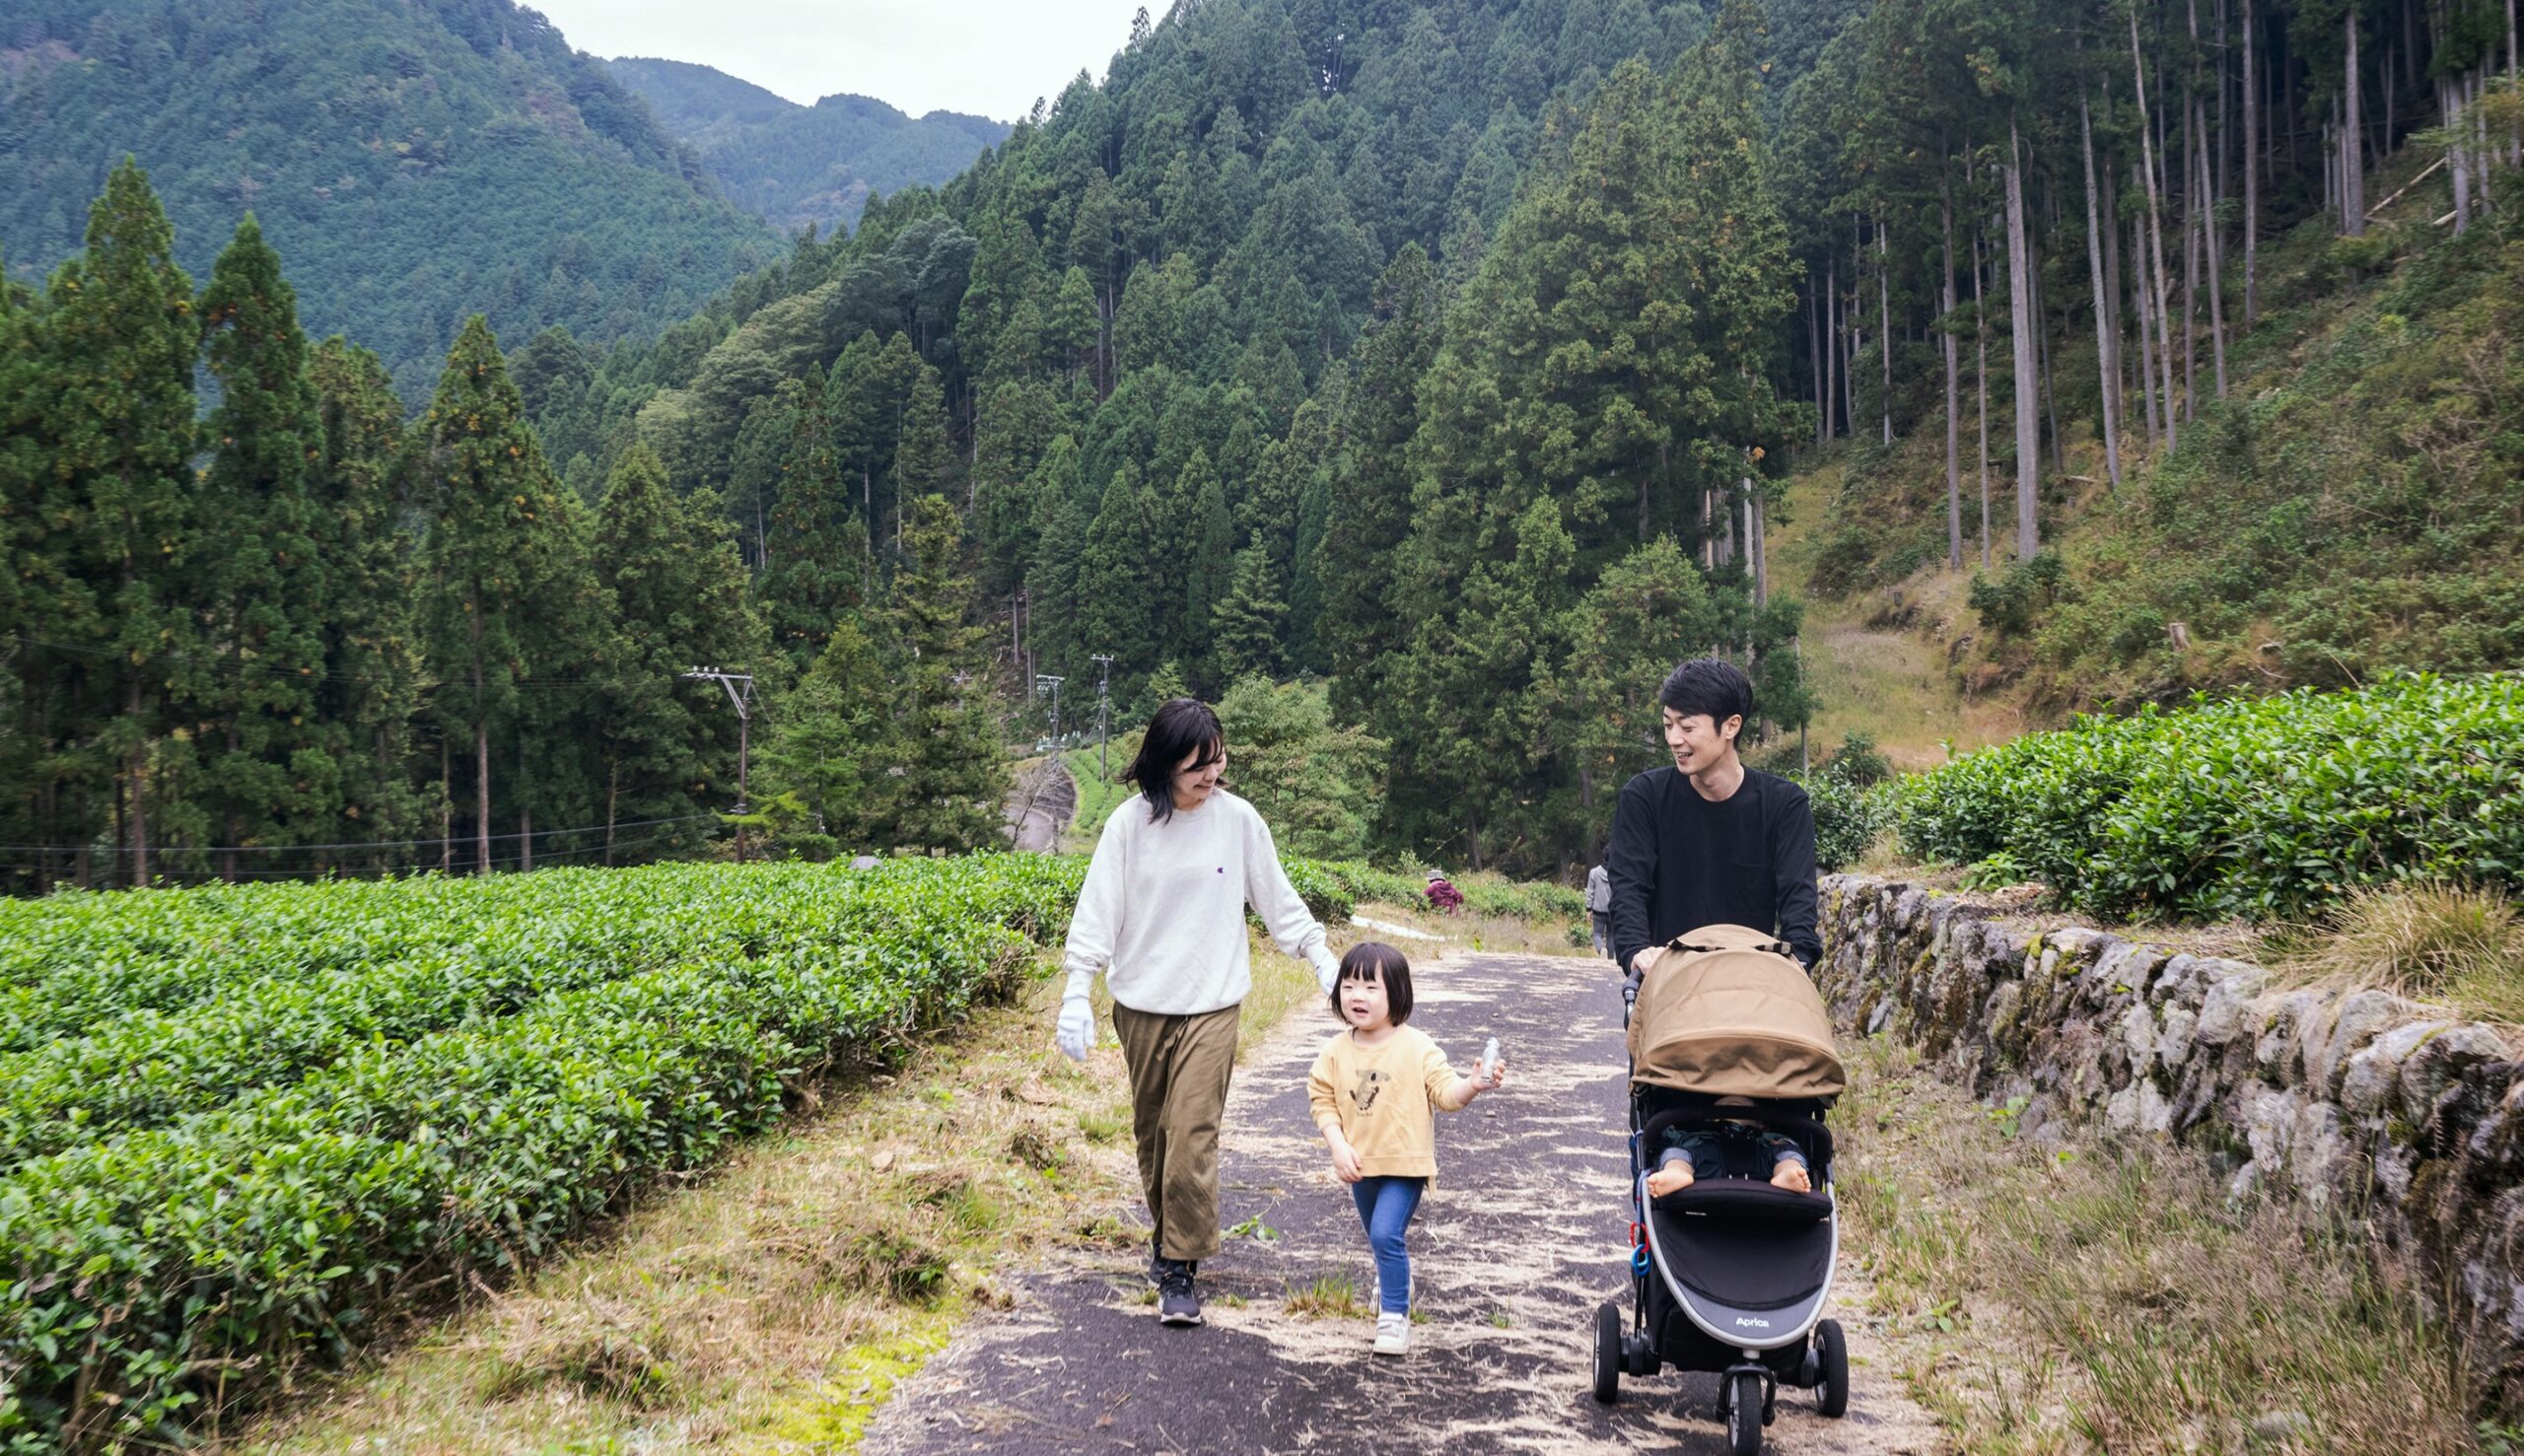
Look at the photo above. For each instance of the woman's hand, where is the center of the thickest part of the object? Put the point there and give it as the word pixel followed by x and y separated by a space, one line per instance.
pixel 1076 1029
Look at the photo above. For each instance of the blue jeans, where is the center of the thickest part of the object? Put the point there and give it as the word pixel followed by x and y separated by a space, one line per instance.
pixel 1385 1205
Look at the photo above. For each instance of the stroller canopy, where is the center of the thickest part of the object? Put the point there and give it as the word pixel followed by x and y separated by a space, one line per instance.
pixel 1725 1011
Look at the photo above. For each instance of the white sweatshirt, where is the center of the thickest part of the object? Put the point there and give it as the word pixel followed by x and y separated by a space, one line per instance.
pixel 1163 911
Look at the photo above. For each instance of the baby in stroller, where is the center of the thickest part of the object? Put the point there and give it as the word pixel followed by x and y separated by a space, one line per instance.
pixel 1694 1150
pixel 1733 1230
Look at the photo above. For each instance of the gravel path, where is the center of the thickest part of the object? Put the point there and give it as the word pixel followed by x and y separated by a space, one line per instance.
pixel 1524 1234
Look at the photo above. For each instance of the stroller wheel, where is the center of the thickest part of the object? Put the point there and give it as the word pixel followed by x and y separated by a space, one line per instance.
pixel 1832 1354
pixel 1607 1352
pixel 1744 1414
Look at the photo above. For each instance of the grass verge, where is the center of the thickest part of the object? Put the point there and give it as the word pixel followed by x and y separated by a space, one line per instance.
pixel 2440 943
pixel 2110 1296
pixel 775 1305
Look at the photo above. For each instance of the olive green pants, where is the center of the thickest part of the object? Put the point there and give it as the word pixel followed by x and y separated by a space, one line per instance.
pixel 1179 1068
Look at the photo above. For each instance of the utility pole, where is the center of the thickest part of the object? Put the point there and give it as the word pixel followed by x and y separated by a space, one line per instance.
pixel 1045 682
pixel 739 686
pixel 1103 714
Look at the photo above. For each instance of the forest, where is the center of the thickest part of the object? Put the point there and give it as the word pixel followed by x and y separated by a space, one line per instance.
pixel 1453 356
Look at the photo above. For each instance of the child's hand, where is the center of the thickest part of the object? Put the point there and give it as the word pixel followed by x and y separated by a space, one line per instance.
pixel 1669 1178
pixel 1492 1077
pixel 1344 1163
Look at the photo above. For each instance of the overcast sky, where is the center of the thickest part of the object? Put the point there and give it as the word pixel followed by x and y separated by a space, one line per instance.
pixel 989 57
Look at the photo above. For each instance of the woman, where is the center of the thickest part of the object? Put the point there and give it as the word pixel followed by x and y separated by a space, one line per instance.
pixel 1163 916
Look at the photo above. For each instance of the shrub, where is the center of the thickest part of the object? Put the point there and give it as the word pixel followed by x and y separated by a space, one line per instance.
pixel 2266 809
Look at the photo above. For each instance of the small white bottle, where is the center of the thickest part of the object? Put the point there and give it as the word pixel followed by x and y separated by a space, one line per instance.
pixel 1489 1062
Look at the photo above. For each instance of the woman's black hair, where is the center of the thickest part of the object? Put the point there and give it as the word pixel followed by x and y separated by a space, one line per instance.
pixel 1712 686
pixel 1374 961
pixel 1181 728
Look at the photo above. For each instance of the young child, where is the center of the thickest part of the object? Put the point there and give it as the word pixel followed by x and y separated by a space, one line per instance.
pixel 1370 1091
pixel 1699 1151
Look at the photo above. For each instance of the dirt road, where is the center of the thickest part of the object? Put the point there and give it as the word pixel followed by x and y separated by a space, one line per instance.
pixel 1524 1233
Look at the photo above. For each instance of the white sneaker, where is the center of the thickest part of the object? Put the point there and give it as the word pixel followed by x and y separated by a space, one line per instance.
pixel 1393 1334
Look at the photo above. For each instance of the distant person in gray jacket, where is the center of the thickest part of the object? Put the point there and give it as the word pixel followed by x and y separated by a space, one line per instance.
pixel 1599 908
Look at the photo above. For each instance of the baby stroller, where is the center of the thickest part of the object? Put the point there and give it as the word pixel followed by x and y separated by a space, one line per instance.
pixel 1731 1274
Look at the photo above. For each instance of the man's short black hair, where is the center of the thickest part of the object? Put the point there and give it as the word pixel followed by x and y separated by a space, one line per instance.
pixel 1708 685
pixel 1182 726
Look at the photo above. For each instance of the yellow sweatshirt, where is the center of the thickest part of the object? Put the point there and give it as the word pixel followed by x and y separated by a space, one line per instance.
pixel 1381 1096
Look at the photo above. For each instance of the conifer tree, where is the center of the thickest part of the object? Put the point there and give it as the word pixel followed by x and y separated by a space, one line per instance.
pixel 1369 508
pixel 1247 629
pixel 816 563
pixel 125 337
pixel 374 671
pixel 826 743
pixel 945 736
pixel 271 757
pixel 678 589
pixel 497 564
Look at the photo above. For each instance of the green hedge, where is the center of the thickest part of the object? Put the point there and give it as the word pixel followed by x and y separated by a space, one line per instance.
pixel 2261 809
pixel 285 1221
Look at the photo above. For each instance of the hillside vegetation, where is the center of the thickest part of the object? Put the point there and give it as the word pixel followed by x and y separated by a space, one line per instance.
pixel 416 163
pixel 802 167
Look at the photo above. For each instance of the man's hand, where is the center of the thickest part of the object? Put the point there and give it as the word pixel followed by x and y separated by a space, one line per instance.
pixel 1076 1029
pixel 1642 959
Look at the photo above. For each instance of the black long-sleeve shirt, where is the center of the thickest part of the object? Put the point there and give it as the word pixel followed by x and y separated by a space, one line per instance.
pixel 1679 861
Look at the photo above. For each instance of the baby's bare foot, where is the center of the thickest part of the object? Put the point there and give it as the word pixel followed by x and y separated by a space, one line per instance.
pixel 1792 1176
pixel 1670 1178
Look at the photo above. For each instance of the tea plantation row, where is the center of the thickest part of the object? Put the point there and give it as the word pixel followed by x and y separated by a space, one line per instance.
pixel 312 1138
pixel 2257 810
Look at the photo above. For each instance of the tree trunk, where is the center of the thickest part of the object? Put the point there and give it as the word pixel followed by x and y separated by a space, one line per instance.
pixel 1760 548
pixel 2216 275
pixel 1857 336
pixel 2028 404
pixel 2147 351
pixel 2251 172
pixel 2353 178
pixel 1832 341
pixel 525 814
pixel 1953 394
pixel 2155 223
pixel 137 767
pixel 1815 357
pixel 445 806
pixel 1884 315
pixel 2105 366
pixel 1980 389
pixel 2112 286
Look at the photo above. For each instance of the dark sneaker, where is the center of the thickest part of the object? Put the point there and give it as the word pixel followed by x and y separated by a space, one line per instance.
pixel 1177 1303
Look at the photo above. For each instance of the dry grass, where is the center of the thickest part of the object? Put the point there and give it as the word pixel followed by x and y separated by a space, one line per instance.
pixel 2442 943
pixel 774 1304
pixel 1502 934
pixel 2111 1297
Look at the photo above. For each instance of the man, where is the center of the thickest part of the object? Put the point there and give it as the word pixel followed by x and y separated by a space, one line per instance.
pixel 1709 841
pixel 1599 908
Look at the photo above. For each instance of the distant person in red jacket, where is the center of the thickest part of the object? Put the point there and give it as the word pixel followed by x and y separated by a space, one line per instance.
pixel 1442 895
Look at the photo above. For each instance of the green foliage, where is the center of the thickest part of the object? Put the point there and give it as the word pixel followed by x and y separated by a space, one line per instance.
pixel 416 163
pixel 284 1223
pixel 2262 809
pixel 796 166
pixel 1318 786
pixel 2015 601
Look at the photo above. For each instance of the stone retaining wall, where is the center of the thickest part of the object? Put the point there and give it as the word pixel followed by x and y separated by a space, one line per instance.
pixel 2410 1124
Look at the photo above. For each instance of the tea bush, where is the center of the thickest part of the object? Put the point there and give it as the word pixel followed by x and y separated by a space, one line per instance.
pixel 2263 810
pixel 226 1237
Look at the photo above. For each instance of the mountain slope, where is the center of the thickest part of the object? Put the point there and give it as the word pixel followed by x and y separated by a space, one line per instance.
pixel 798 165
pixel 414 162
